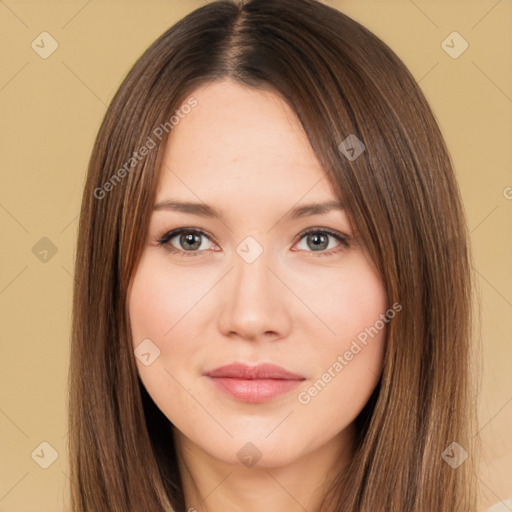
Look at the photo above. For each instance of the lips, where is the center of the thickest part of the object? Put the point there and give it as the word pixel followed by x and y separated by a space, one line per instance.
pixel 255 384
pixel 259 372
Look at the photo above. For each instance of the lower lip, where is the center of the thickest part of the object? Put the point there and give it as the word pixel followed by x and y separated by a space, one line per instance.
pixel 254 391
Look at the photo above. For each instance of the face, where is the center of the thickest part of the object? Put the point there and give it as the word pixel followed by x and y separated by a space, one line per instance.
pixel 263 280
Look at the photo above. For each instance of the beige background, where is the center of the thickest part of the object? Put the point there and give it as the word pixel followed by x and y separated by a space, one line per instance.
pixel 50 112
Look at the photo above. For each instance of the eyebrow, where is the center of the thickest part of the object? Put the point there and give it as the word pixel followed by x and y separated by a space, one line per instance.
pixel 204 210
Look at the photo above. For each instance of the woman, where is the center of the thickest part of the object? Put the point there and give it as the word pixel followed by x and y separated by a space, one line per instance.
pixel 272 301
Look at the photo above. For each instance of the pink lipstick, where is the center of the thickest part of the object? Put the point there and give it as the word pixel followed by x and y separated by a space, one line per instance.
pixel 256 384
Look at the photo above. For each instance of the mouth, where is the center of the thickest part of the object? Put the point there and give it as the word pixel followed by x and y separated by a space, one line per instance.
pixel 255 384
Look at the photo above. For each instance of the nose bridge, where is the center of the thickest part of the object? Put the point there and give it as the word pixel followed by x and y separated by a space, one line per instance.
pixel 255 304
pixel 251 261
pixel 251 275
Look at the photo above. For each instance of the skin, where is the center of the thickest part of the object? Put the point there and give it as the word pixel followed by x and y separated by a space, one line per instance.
pixel 243 151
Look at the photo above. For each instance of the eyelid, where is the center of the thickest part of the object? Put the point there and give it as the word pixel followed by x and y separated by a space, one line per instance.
pixel 335 234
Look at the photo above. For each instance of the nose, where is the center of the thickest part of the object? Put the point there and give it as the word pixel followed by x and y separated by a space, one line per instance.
pixel 256 303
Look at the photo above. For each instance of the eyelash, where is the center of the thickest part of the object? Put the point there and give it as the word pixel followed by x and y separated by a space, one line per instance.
pixel 164 240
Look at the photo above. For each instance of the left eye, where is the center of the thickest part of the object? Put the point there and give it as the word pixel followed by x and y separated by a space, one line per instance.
pixel 317 241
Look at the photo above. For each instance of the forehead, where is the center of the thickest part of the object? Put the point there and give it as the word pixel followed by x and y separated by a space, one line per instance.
pixel 244 141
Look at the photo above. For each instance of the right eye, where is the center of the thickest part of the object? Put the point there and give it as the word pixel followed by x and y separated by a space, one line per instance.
pixel 188 238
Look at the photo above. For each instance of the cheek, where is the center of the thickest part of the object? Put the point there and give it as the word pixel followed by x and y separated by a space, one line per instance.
pixel 347 301
pixel 349 358
pixel 159 301
pixel 161 304
pixel 161 298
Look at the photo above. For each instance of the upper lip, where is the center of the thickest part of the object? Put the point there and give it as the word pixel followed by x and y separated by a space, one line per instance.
pixel 260 371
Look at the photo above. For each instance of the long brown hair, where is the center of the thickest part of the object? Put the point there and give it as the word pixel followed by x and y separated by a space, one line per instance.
pixel 401 196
